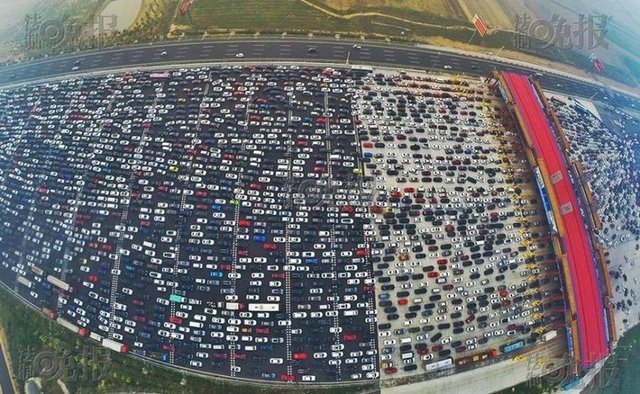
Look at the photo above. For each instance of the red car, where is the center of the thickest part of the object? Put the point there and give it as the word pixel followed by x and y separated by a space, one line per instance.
pixel 244 223
pixel 93 278
pixel 243 253
pixel 270 246
pixel 263 330
pixel 367 145
pixel 350 337
pixel 279 275
pixel 169 347
pixel 240 356
pixel 346 209
pixel 362 252
pixel 390 370
pixel 287 377
pixel 403 301
pixel 300 356
pixel 139 318
pixel 376 209
pixel 433 274
pixel 175 320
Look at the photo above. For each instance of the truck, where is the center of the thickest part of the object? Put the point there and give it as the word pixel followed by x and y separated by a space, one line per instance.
pixel 67 324
pixel 59 283
pixel 548 335
pixel 512 347
pixel 49 313
pixel 477 357
pixel 114 345
pixel 24 281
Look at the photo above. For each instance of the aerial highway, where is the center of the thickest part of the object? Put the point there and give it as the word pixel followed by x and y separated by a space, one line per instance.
pixel 255 50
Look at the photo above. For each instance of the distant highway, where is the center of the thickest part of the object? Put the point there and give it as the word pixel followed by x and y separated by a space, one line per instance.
pixel 262 50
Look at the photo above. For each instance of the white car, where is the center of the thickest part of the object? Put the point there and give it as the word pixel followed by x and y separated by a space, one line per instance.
pixel 239 54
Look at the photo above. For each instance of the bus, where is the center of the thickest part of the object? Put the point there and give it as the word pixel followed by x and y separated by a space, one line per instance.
pixel 511 347
pixel 439 365
pixel 264 307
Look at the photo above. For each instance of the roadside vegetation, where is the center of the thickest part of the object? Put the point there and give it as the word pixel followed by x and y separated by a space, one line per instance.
pixel 382 20
pixel 91 368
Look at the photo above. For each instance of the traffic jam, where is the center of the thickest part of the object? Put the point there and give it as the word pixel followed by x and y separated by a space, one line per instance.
pixel 464 271
pixel 276 223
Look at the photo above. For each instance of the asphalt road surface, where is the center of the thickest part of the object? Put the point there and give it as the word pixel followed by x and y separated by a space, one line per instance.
pixel 281 50
pixel 5 380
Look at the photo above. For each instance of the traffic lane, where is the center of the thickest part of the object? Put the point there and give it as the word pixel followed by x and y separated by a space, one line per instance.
pixel 5 377
pixel 288 50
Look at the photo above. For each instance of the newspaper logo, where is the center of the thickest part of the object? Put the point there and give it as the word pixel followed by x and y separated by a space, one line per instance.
pixel 587 32
pixel 89 365
pixel 42 34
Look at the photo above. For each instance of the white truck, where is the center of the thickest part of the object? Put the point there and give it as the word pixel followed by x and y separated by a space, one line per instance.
pixel 548 335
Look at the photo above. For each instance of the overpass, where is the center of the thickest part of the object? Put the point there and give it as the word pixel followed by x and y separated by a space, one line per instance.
pixel 588 327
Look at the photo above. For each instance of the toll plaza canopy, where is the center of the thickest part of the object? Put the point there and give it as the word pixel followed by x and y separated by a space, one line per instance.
pixel 574 237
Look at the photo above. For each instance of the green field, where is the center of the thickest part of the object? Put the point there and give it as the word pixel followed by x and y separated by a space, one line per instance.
pixel 264 15
pixel 295 16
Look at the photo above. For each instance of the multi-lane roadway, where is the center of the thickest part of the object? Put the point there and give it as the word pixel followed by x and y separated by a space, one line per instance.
pixel 284 50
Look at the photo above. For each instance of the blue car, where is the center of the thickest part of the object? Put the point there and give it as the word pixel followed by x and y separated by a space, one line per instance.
pixel 260 238
pixel 216 274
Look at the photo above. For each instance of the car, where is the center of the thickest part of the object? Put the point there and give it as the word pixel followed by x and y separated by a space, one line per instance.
pixel 239 54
